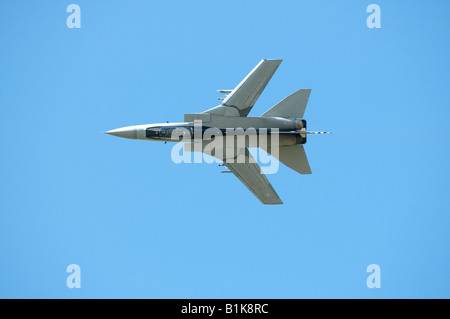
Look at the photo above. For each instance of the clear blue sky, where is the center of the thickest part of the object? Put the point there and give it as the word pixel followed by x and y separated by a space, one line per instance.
pixel 140 226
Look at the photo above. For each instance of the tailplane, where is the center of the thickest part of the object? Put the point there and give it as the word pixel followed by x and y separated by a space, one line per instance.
pixel 292 106
pixel 294 157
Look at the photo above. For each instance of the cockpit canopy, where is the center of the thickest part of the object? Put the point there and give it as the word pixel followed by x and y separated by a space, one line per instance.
pixel 168 132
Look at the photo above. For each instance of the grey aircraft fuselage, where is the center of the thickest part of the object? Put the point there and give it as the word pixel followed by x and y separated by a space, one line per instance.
pixel 218 126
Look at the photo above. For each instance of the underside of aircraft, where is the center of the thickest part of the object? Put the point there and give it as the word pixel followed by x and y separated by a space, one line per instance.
pixel 225 124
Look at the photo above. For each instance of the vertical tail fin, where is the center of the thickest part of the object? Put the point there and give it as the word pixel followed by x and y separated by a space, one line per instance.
pixel 293 105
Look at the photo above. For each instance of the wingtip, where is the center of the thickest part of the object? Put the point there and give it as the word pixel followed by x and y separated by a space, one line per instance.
pixel 273 60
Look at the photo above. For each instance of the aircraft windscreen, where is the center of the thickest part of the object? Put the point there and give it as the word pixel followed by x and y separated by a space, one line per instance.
pixel 167 132
pixel 152 132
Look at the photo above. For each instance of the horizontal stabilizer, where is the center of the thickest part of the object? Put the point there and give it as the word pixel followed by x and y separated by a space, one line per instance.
pixel 292 106
pixel 294 157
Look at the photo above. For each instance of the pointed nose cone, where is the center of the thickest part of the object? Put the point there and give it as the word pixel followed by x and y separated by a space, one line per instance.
pixel 125 132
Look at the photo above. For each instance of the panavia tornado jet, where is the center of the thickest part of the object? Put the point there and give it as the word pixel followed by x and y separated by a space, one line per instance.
pixel 226 132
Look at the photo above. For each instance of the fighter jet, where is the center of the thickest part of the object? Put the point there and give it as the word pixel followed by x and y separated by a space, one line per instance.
pixel 227 122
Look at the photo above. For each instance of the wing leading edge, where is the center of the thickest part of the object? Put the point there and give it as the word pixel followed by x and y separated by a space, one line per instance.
pixel 249 173
pixel 245 95
pixel 242 164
